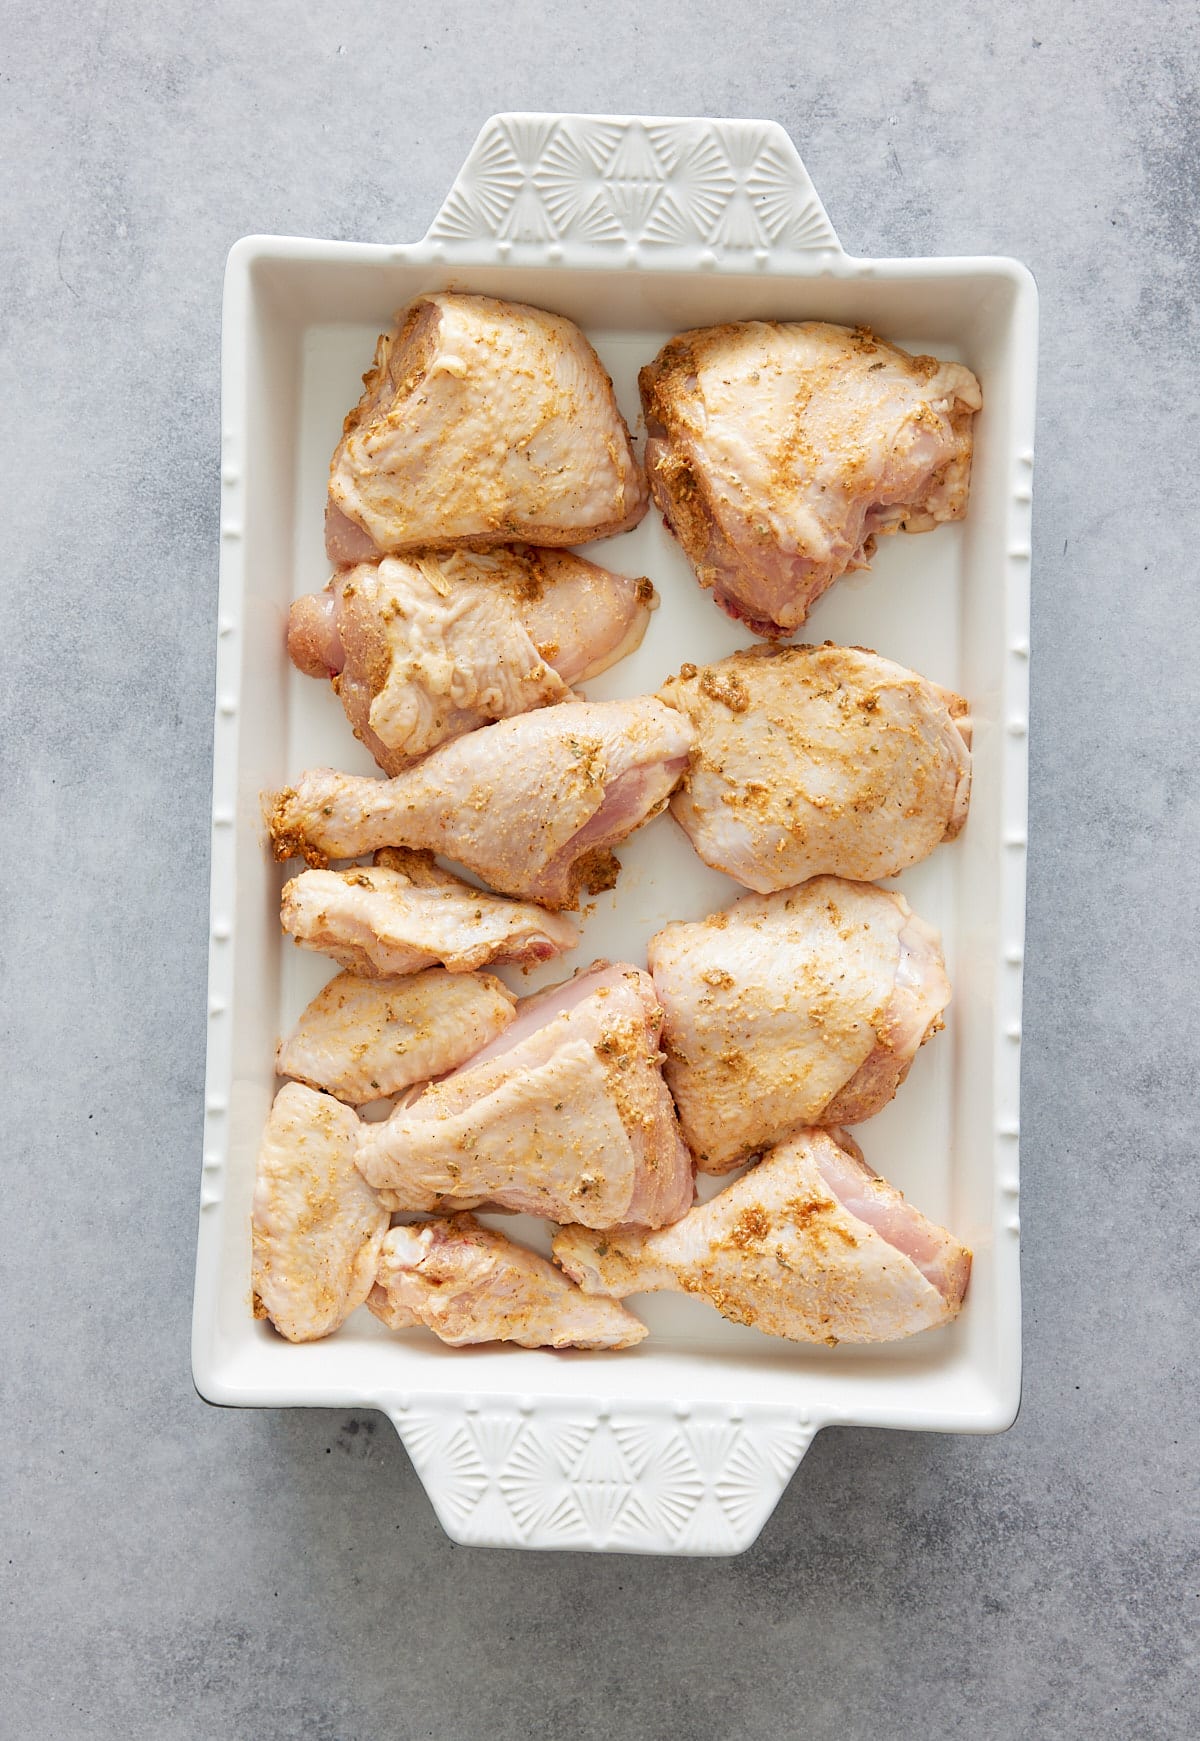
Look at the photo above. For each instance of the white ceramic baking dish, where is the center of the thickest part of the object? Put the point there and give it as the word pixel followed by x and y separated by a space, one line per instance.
pixel 636 229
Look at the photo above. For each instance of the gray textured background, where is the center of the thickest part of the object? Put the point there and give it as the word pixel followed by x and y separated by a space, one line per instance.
pixel 170 1570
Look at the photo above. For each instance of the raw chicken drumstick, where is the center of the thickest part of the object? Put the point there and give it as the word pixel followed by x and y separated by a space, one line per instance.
pixel 468 1284
pixel 482 423
pixel 566 1115
pixel 811 1244
pixel 531 804
pixel 426 648
pixel 779 452
pixel 818 759
pixel 799 1008
pixel 318 1227
pixel 364 1038
pixel 405 912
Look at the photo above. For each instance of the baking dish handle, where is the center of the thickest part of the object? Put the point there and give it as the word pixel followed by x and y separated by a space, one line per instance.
pixel 624 1477
pixel 610 190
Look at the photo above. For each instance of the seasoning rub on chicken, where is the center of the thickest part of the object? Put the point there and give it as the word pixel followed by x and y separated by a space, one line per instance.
pixel 799 1008
pixel 317 1226
pixel 779 452
pixel 481 423
pixel 532 804
pixel 362 1039
pixel 811 1245
pixel 566 1115
pixel 425 648
pixel 406 912
pixel 812 760
pixel 468 1284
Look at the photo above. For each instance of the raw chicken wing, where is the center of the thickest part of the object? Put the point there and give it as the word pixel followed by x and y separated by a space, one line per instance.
pixel 799 1008
pixel 405 912
pixel 811 1244
pixel 364 1038
pixel 565 1115
pixel 482 423
pixel 779 452
pixel 425 648
pixel 318 1227
pixel 468 1284
pixel 818 759
pixel 531 804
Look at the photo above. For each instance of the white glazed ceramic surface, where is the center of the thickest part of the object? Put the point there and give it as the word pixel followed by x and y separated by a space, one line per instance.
pixel 636 229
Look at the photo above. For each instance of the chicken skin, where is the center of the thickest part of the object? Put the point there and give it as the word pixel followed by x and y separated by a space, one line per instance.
pixel 805 1007
pixel 566 1115
pixel 426 648
pixel 405 912
pixel 481 423
pixel 532 804
pixel 468 1284
pixel 778 452
pixel 361 1039
pixel 811 1245
pixel 317 1227
pixel 812 760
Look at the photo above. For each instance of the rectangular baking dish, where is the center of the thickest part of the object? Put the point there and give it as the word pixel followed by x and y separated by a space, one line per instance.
pixel 636 229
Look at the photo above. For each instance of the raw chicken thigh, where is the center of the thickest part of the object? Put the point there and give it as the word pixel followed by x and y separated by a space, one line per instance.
pixel 779 452
pixel 425 648
pixel 482 423
pixel 818 759
pixel 566 1115
pixel 531 804
pixel 811 1244
pixel 468 1284
pixel 364 1038
pixel 405 913
pixel 318 1227
pixel 798 1008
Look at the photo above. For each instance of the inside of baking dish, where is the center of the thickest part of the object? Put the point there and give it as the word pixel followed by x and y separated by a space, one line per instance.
pixel 935 602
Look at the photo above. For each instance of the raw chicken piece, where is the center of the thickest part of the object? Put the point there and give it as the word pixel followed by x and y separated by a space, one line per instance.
pixel 482 423
pixel 364 1038
pixel 779 452
pixel 565 1115
pixel 531 804
pixel 811 1244
pixel 818 759
pixel 424 649
pixel 468 1284
pixel 405 912
pixel 803 1007
pixel 318 1227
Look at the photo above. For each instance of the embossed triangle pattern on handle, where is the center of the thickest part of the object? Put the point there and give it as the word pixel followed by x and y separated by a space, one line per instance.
pixel 627 1477
pixel 605 189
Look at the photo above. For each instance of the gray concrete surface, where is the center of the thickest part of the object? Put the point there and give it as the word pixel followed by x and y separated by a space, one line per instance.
pixel 170 1570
